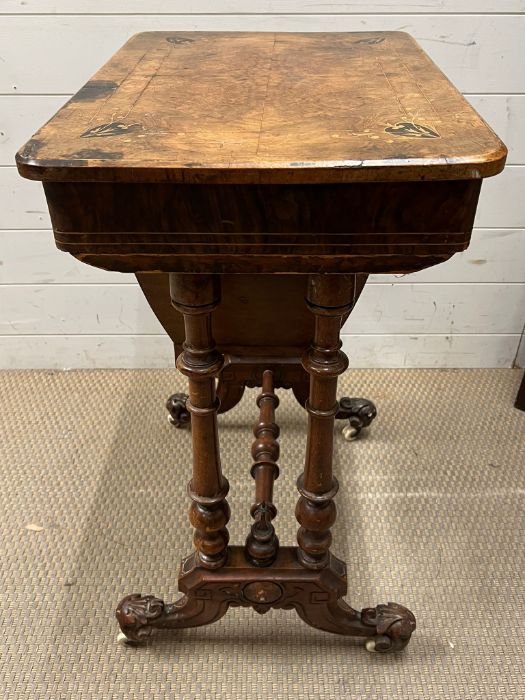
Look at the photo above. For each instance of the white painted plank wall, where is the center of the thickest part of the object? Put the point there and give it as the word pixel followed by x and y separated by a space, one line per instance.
pixel 256 7
pixel 480 53
pixel 55 312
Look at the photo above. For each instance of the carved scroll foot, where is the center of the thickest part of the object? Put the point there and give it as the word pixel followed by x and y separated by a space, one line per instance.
pixel 178 414
pixel 393 625
pixel 138 615
pixel 387 627
pixel 358 412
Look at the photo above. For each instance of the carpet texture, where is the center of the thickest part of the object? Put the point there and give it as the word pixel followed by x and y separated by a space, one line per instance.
pixel 93 506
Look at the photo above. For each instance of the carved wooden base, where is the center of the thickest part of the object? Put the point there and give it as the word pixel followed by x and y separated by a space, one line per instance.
pixel 307 578
pixel 316 595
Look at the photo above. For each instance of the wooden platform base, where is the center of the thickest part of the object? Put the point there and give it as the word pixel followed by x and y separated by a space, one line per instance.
pixel 316 595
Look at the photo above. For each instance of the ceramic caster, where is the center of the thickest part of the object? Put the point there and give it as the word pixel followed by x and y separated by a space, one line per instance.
pixel 350 433
pixel 381 643
pixel 123 640
pixel 370 645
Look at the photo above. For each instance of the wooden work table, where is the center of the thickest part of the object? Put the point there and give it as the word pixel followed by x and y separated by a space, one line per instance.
pixel 252 181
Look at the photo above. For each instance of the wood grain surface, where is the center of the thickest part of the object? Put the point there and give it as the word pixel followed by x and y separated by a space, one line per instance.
pixel 362 227
pixel 236 107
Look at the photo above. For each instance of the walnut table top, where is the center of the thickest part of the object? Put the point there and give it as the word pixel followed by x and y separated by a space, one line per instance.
pixel 225 152
pixel 265 108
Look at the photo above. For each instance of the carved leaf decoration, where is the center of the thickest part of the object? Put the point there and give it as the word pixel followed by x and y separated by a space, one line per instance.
pixel 412 130
pixel 111 129
pixel 387 615
pixel 386 620
pixel 140 609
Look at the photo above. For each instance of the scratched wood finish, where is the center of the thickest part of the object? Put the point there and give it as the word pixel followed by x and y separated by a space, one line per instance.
pixel 265 108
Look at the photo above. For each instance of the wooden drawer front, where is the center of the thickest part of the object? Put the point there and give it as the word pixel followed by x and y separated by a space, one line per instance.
pixel 362 227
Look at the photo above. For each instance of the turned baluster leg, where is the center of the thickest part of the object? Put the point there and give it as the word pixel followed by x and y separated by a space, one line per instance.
pixel 262 544
pixel 329 298
pixel 195 296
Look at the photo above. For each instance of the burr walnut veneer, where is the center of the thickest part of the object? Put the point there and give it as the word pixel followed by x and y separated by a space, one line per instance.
pixel 252 181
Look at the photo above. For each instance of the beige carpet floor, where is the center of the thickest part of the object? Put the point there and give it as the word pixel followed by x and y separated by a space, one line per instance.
pixel 93 506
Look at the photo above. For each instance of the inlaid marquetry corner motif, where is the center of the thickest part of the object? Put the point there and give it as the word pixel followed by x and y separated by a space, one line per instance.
pixel 111 129
pixel 371 41
pixel 412 130
pixel 179 40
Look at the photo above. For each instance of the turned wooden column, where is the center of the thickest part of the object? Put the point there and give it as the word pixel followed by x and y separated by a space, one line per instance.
pixel 262 544
pixel 329 298
pixel 195 296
